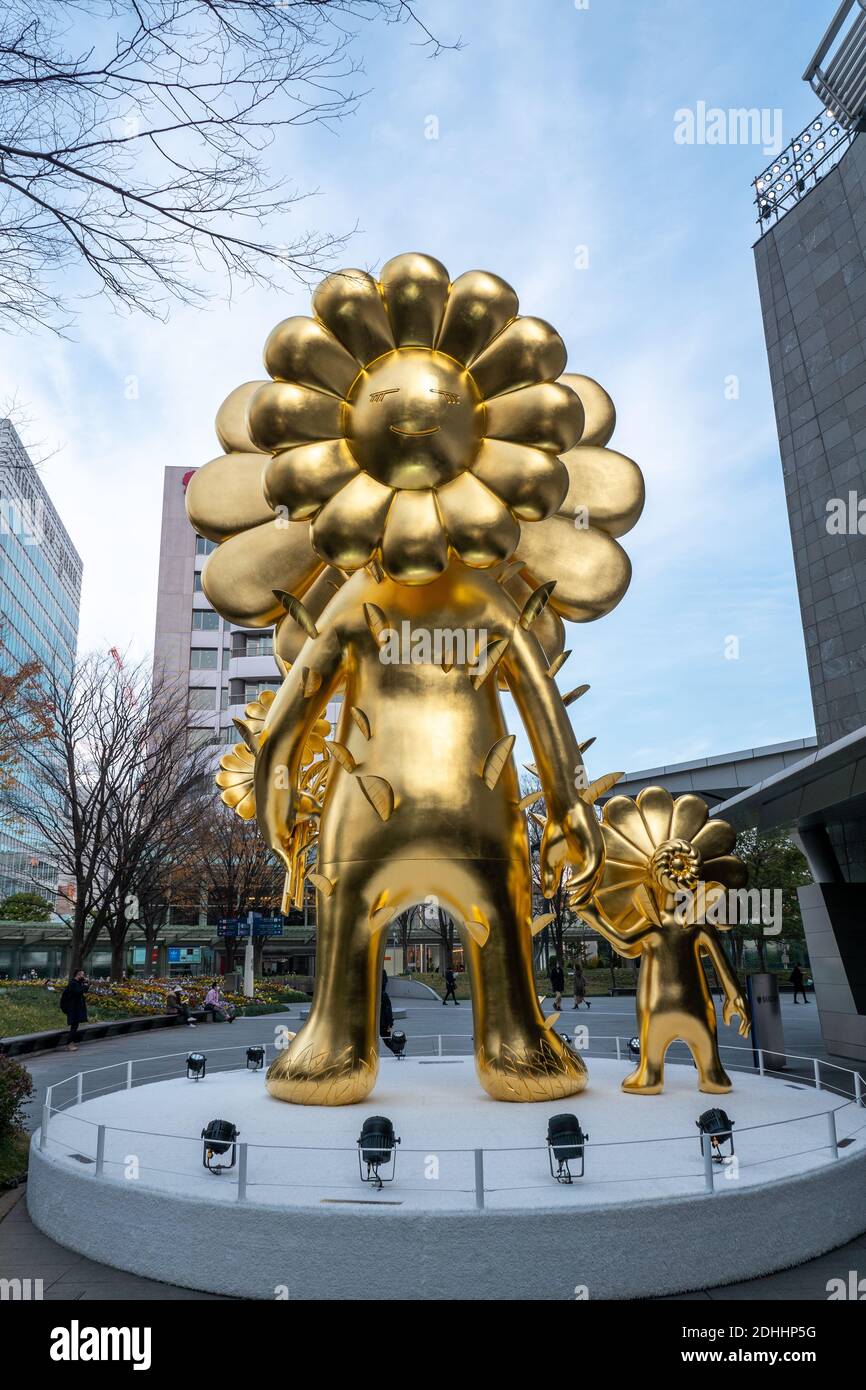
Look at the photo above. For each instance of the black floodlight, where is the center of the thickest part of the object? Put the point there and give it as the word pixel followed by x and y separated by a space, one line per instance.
pixel 255 1058
pixel 565 1143
pixel 717 1126
pixel 396 1043
pixel 220 1137
pixel 634 1046
pixel 196 1066
pixel 376 1146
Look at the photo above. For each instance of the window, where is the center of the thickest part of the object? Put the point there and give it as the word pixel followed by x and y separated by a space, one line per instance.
pixel 196 583
pixel 224 698
pixel 201 697
pixel 253 689
pixel 203 547
pixel 200 738
pixel 226 657
pixel 203 659
pixel 205 620
pixel 260 646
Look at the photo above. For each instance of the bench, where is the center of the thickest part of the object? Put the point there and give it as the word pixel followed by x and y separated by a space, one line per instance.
pixel 110 1028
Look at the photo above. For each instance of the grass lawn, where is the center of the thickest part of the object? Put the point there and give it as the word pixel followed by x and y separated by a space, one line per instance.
pixel 31 1009
pixel 13 1155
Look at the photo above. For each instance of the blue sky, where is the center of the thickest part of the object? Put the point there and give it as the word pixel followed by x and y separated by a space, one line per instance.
pixel 555 133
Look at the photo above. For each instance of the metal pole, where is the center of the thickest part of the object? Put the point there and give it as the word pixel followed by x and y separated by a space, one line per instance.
pixel 831 1126
pixel 760 1061
pixel 479 1179
pixel 46 1113
pixel 440 1046
pixel 80 1087
pixel 708 1163
pixel 618 1053
pixel 858 1088
pixel 817 1068
pixel 242 1172
pixel 129 1076
pixel 100 1151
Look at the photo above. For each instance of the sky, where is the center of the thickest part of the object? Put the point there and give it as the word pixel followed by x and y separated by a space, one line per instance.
pixel 554 164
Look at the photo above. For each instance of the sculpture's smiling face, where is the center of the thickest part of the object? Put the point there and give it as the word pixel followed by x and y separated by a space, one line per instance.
pixel 414 419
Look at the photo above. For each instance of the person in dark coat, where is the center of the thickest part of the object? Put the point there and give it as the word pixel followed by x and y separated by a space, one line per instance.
pixel 557 982
pixel 74 1005
pixel 798 984
pixel 450 986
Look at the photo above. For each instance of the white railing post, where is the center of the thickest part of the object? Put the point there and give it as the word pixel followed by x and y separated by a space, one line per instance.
pixel 79 1088
pixel 439 1052
pixel 242 1172
pixel 760 1061
pixel 858 1088
pixel 479 1179
pixel 618 1053
pixel 708 1163
pixel 129 1075
pixel 100 1151
pixel 831 1127
pixel 816 1065
pixel 46 1116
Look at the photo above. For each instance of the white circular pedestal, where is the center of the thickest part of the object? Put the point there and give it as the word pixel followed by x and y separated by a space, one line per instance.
pixel 639 1223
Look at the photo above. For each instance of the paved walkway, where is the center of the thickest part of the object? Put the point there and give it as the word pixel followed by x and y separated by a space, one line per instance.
pixel 26 1253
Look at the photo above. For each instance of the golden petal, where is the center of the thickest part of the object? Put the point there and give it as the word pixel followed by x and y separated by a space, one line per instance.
pixel 617 903
pixel 414 288
pixel 598 408
pixel 690 814
pixel 619 848
pixel 726 869
pixel 657 808
pixel 301 349
pixel 480 527
pixel 225 496
pixel 240 577
pixel 591 569
pixel 548 416
pixel 479 306
pixel 548 627
pixel 620 875
pixel 530 481
pixel 527 351
pixel 414 549
pixel 624 816
pixel 282 414
pixel 289 637
pixel 350 305
pixel 232 429
pixel 348 529
pixel 716 838
pixel 605 486
pixel 304 478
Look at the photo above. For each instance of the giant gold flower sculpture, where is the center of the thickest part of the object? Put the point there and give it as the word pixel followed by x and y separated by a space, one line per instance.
pixel 411 419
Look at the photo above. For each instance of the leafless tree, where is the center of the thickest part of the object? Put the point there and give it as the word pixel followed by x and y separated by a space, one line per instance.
pixel 135 139
pixel 100 788
pixel 553 936
pixel 236 872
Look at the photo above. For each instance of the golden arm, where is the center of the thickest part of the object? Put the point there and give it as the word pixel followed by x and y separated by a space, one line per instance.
pixel 627 943
pixel 287 728
pixel 735 1002
pixel 571 835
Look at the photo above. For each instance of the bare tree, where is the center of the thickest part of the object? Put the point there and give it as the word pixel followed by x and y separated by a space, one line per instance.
pixel 99 789
pixel 133 140
pixel 554 934
pixel 236 871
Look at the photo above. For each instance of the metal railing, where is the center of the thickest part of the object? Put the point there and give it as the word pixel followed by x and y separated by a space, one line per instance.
pixel 485 1171
pixel 800 165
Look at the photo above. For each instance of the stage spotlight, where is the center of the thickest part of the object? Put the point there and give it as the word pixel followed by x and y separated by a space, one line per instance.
pixel 376 1146
pixel 716 1126
pixel 396 1043
pixel 219 1137
pixel 255 1058
pixel 565 1142
pixel 196 1066
pixel 634 1046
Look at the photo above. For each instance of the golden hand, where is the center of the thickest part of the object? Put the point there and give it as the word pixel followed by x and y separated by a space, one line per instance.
pixel 575 839
pixel 736 1004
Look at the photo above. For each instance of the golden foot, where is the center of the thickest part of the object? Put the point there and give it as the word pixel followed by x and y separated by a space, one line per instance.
pixel 715 1087
pixel 636 1087
pixel 308 1073
pixel 542 1067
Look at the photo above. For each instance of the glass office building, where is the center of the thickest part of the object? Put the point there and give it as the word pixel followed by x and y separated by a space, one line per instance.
pixel 40 592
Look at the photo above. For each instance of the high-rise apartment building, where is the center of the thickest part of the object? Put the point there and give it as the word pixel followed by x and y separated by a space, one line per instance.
pixel 40 593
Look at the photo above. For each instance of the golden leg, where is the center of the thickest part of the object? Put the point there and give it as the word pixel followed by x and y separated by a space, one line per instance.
pixel 334 1059
pixel 518 1058
pixel 704 1047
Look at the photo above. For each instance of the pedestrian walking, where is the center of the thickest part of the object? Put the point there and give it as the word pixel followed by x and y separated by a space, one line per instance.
pixel 798 983
pixel 580 988
pixel 450 985
pixel 557 982
pixel 74 1005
